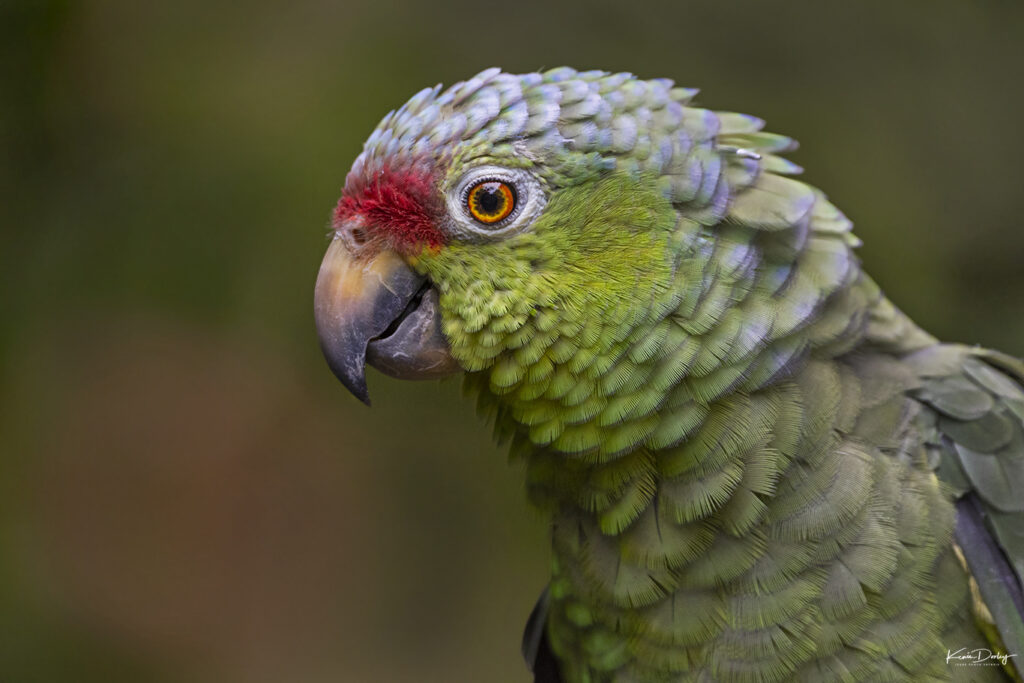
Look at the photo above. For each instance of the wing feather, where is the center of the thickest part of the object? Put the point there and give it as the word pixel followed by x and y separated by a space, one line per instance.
pixel 975 426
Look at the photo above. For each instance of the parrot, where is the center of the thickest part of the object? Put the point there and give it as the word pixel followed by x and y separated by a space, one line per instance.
pixel 753 466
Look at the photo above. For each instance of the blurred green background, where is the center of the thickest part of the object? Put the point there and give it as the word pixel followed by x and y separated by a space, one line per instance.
pixel 186 493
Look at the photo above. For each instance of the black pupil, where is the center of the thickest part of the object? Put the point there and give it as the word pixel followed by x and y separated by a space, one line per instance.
pixel 489 199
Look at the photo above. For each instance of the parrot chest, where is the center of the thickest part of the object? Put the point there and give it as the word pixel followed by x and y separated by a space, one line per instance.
pixel 797 533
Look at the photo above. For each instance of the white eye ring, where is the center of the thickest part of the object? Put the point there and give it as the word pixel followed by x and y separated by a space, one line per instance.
pixel 529 196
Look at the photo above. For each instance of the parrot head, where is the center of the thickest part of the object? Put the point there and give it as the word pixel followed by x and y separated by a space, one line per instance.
pixel 505 224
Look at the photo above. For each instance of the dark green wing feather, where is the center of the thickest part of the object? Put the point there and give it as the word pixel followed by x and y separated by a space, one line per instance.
pixel 536 650
pixel 975 436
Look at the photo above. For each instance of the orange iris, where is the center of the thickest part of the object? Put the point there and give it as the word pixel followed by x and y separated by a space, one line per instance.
pixel 490 201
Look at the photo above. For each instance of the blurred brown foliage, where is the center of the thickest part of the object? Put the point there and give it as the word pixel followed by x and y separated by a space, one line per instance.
pixel 186 493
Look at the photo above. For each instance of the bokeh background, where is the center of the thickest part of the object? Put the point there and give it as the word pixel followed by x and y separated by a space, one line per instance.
pixel 186 493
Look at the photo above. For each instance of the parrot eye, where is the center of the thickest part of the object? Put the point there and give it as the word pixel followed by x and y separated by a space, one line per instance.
pixel 491 201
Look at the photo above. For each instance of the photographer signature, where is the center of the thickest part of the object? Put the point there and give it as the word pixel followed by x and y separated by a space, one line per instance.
pixel 976 656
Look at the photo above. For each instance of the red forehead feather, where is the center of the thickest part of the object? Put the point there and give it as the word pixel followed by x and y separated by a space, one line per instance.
pixel 400 207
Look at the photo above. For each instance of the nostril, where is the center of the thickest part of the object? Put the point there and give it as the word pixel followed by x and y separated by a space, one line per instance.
pixel 354 232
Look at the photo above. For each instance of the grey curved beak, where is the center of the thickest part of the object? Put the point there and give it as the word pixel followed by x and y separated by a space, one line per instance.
pixel 374 307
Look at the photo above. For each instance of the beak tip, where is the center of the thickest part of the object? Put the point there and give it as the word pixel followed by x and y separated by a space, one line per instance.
pixel 356 384
pixel 359 391
pixel 349 369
